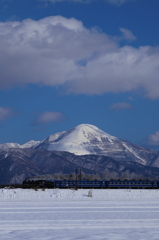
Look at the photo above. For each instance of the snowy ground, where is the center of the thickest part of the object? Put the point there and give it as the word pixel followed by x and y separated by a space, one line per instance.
pixel 67 214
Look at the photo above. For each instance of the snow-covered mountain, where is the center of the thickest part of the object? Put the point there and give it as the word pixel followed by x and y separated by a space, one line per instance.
pixel 81 140
pixel 86 139
pixel 85 146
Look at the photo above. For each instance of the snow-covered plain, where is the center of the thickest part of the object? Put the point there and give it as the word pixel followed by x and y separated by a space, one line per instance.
pixel 69 214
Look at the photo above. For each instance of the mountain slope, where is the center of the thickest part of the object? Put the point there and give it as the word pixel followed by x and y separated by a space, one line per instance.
pixel 18 164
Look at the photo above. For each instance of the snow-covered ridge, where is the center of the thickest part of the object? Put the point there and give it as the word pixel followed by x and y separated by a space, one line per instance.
pixel 9 145
pixel 29 144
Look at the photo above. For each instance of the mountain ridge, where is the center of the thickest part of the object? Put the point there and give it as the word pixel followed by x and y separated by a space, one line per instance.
pixel 18 164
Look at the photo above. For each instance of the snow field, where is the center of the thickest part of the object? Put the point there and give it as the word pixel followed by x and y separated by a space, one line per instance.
pixel 80 194
pixel 72 215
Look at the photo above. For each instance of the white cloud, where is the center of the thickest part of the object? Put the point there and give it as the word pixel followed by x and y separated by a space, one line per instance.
pixel 5 113
pixel 57 51
pixel 153 139
pixel 127 34
pixel 121 106
pixel 47 117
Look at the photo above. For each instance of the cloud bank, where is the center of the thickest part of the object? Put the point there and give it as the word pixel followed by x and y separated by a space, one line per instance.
pixel 56 51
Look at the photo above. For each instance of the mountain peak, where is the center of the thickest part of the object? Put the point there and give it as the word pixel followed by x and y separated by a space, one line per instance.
pixel 85 132
pixel 80 140
pixel 87 128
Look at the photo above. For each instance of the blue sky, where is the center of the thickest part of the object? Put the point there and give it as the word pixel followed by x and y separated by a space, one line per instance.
pixel 64 63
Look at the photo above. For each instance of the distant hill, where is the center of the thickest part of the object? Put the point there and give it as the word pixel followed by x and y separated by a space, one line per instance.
pixel 17 164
